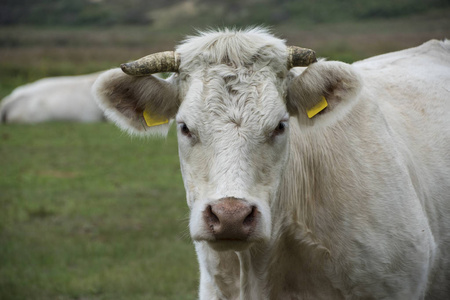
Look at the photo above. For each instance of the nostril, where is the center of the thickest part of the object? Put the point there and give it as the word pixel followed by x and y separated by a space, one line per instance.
pixel 250 218
pixel 211 218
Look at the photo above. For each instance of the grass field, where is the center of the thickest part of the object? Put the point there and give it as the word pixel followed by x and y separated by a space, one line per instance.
pixel 90 213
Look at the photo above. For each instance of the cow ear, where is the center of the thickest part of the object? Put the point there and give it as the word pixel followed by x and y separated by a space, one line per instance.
pixel 138 105
pixel 324 91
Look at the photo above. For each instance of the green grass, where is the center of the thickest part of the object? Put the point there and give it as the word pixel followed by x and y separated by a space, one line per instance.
pixel 89 213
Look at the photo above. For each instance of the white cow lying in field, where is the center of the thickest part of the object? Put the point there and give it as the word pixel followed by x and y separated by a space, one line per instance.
pixel 352 203
pixel 66 98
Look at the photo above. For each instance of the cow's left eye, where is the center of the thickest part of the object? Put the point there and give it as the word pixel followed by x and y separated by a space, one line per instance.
pixel 281 128
pixel 185 130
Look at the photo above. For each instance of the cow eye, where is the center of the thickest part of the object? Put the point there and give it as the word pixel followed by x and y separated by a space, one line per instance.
pixel 281 128
pixel 184 129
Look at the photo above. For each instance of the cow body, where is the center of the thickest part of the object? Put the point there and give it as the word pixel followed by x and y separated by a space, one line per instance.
pixel 350 204
pixel 67 98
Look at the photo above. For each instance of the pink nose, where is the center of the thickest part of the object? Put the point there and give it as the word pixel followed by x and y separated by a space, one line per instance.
pixel 231 219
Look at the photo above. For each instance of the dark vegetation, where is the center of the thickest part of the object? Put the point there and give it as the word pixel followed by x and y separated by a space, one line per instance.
pixel 234 12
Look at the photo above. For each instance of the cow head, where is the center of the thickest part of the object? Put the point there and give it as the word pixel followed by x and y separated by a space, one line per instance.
pixel 228 98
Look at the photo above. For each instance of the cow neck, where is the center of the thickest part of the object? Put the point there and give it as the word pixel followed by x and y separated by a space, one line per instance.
pixel 252 281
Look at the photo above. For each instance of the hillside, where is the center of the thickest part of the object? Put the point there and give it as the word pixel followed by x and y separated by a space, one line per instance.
pixel 204 12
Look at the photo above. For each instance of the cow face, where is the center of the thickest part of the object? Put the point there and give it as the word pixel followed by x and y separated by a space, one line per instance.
pixel 233 130
pixel 228 102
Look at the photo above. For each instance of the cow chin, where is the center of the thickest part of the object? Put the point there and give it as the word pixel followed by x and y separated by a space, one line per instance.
pixel 227 245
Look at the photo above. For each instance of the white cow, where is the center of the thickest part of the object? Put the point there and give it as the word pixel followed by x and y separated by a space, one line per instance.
pixel 353 203
pixel 67 98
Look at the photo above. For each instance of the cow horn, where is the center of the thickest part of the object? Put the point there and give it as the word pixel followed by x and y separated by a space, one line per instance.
pixel 168 61
pixel 300 57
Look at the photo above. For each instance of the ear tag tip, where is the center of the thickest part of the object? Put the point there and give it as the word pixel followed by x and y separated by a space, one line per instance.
pixel 152 120
pixel 317 108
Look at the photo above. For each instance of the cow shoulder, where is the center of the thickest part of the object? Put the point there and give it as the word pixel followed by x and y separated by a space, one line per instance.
pixel 124 99
pixel 339 83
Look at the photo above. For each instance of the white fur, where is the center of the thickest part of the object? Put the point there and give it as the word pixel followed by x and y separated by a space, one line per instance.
pixel 354 203
pixel 66 98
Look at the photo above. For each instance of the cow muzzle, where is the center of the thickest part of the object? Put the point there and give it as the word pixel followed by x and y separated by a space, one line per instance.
pixel 231 221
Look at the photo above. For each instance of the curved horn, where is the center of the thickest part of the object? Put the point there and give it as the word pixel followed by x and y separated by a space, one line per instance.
pixel 300 57
pixel 168 61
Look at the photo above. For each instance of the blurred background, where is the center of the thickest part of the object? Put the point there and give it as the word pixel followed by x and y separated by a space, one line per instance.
pixel 87 212
pixel 41 38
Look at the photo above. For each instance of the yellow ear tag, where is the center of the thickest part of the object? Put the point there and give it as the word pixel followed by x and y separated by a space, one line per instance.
pixel 151 120
pixel 317 108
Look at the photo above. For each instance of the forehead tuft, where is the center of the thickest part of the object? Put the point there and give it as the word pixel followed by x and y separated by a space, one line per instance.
pixel 234 79
pixel 236 48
